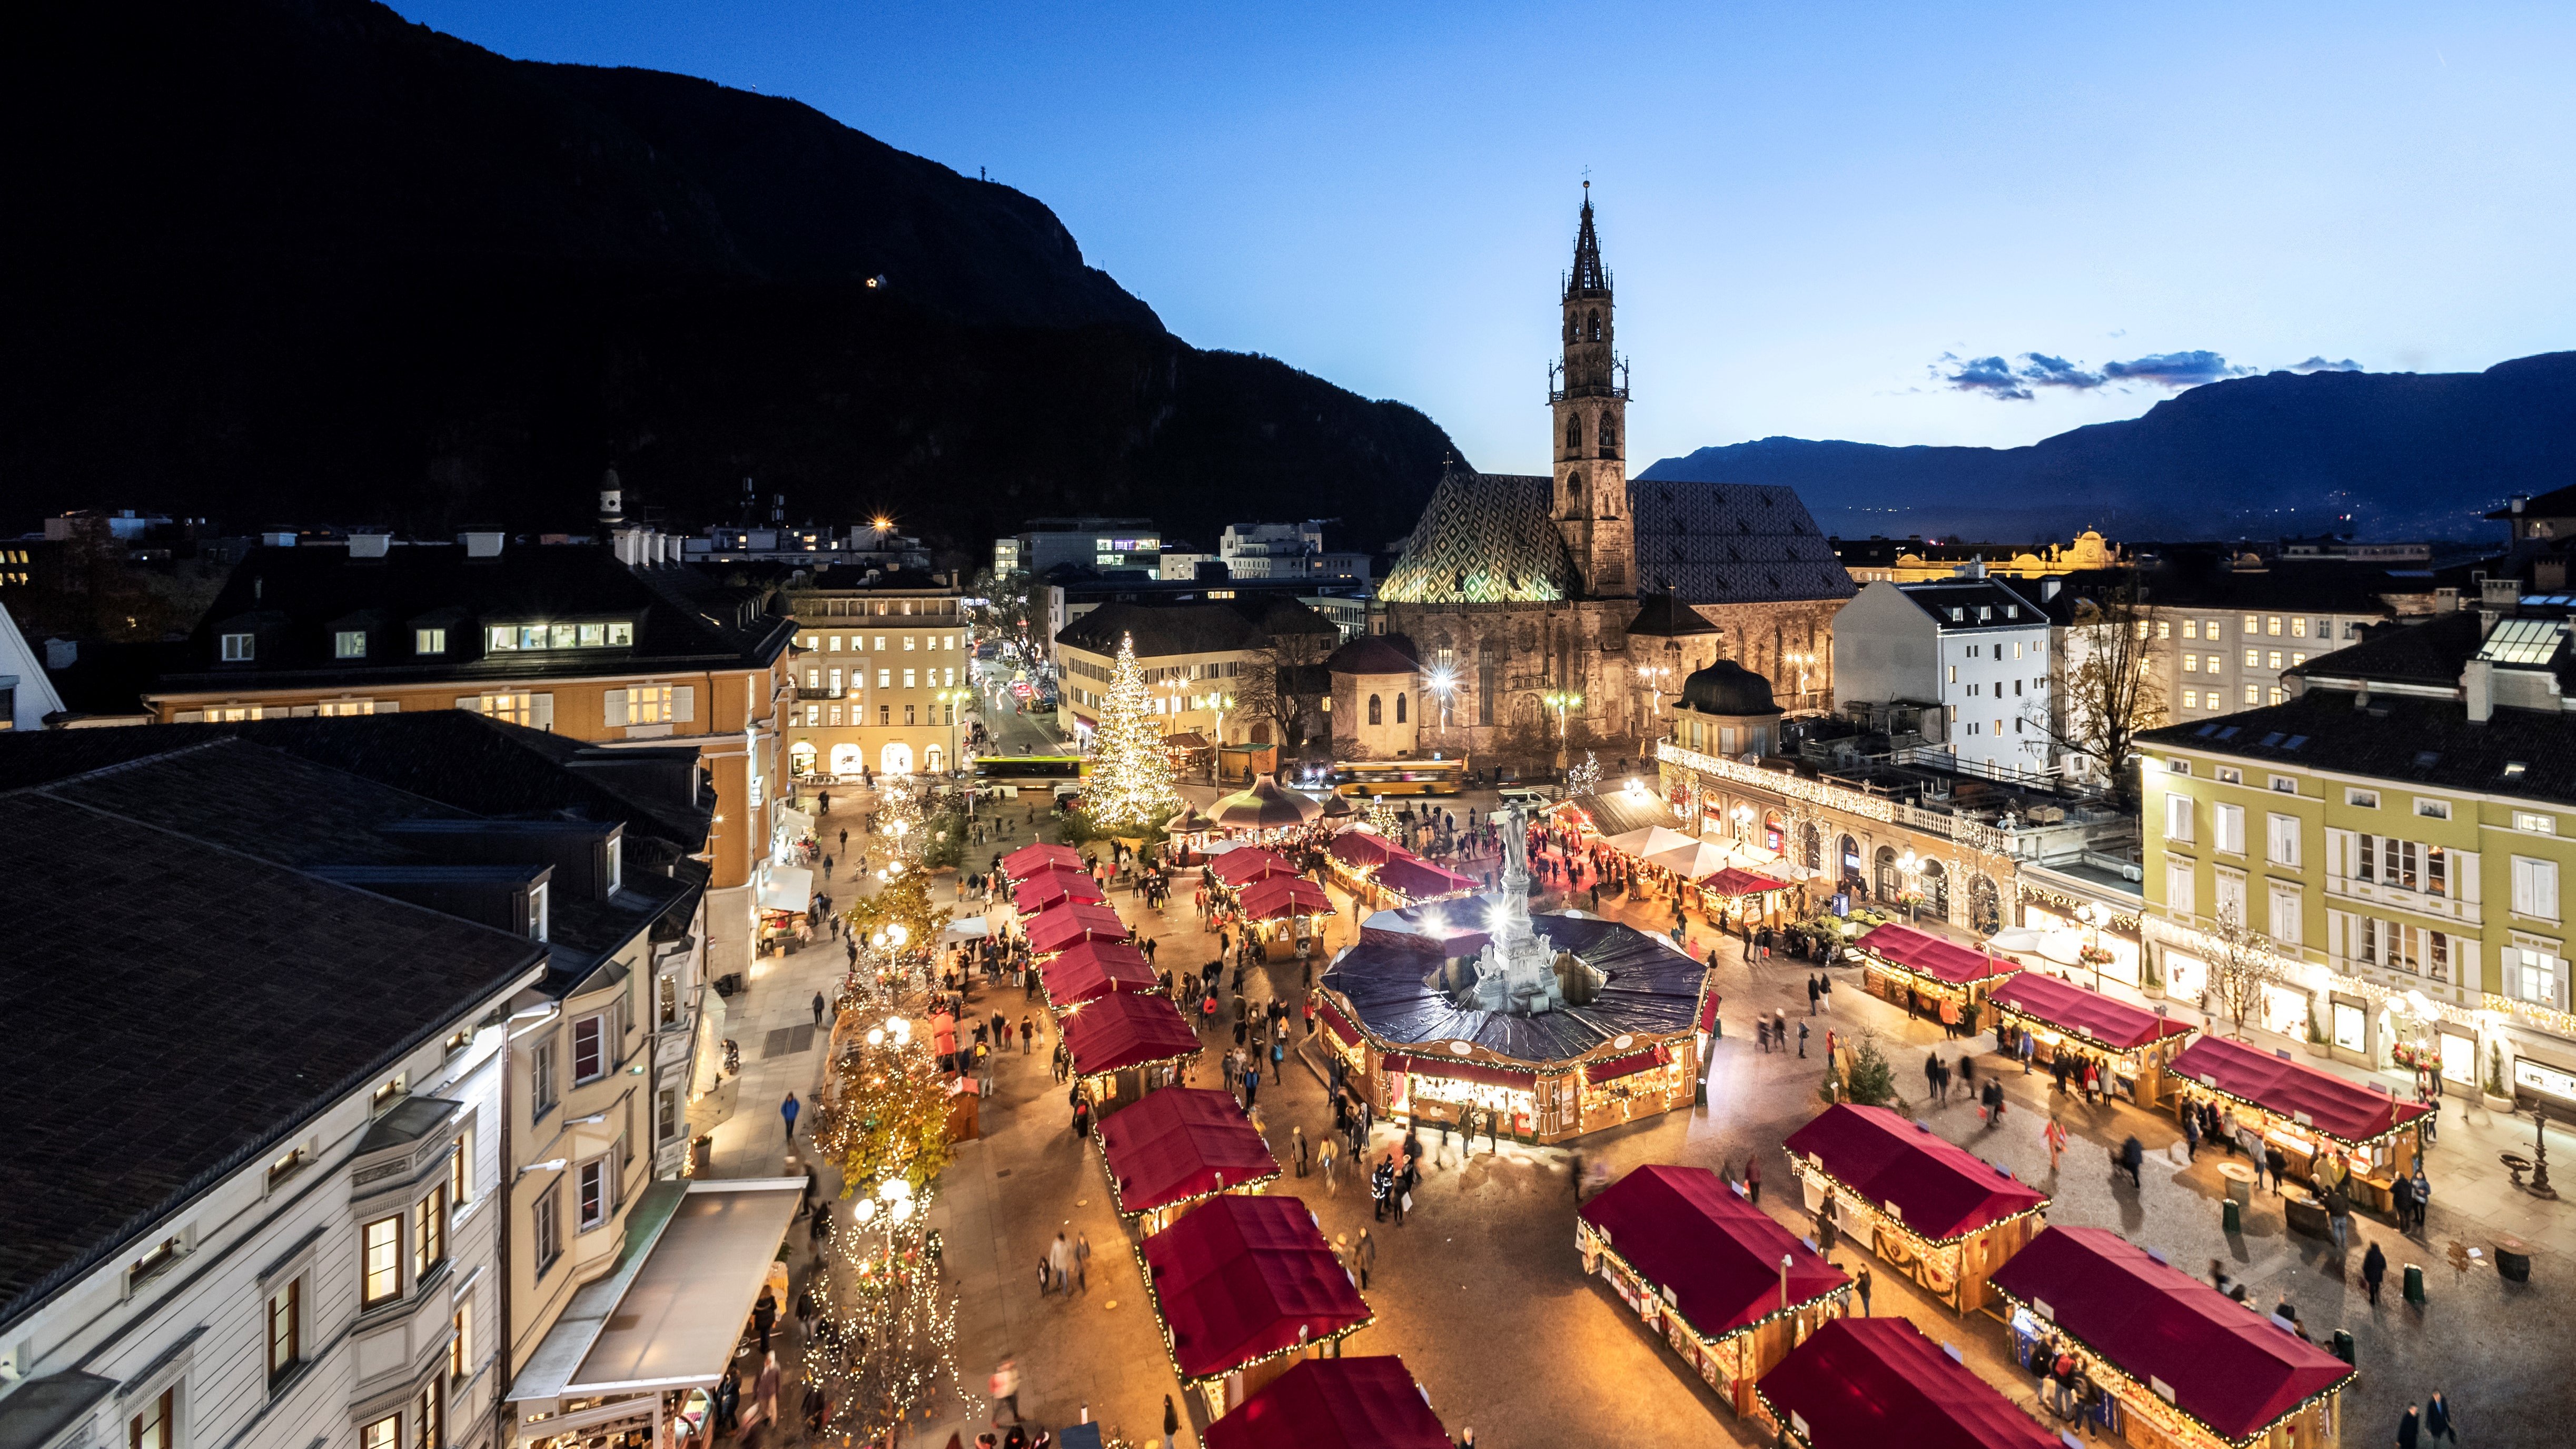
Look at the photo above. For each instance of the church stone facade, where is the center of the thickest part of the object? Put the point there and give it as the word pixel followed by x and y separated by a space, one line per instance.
pixel 1589 582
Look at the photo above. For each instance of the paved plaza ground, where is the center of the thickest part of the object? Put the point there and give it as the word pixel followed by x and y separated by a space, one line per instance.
pixel 1481 1290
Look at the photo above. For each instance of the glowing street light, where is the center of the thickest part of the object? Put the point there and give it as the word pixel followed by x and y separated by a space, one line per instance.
pixel 1561 701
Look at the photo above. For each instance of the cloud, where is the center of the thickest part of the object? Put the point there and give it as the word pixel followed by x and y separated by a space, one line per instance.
pixel 2046 371
pixel 1991 376
pixel 2319 364
pixel 2174 369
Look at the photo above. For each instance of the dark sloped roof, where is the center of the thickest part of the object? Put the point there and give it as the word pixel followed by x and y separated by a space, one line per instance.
pixel 1484 538
pixel 2399 738
pixel 1661 616
pixel 177 1007
pixel 1375 654
pixel 2556 503
pixel 2324 586
pixel 1731 543
pixel 1728 688
pixel 2431 652
pixel 1939 597
pixel 1198 626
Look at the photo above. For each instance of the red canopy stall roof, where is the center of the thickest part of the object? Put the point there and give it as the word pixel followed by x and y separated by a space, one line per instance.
pixel 1419 878
pixel 1363 849
pixel 1052 885
pixel 1935 1189
pixel 1067 922
pixel 1682 1229
pixel 2231 1370
pixel 1028 860
pixel 1339 1024
pixel 1126 1029
pixel 1735 882
pixel 2338 1107
pixel 1334 1403
pixel 1180 1144
pixel 1868 1383
pixel 1278 897
pixel 2103 1021
pixel 1243 867
pixel 1931 957
pixel 1089 970
pixel 1241 1279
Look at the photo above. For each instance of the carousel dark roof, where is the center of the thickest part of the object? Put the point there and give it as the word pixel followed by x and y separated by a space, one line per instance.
pixel 1728 688
pixel 1390 980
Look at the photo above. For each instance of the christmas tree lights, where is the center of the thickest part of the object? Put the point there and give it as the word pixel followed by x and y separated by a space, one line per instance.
pixel 1130 792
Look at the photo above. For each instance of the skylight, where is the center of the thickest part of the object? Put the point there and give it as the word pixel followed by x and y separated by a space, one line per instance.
pixel 2523 641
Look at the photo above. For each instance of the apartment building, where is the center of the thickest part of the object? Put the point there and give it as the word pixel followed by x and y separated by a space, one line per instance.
pixel 2395 828
pixel 1196 655
pixel 2223 642
pixel 882 671
pixel 625 649
pixel 1970 644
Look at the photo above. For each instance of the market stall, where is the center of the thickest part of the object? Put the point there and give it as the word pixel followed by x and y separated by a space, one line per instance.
pixel 1703 1268
pixel 1178 1147
pixel 785 897
pixel 1409 880
pixel 1055 885
pixel 1264 809
pixel 1877 1383
pixel 1747 897
pixel 1935 1211
pixel 1125 1044
pixel 2307 1111
pixel 1239 868
pixel 1284 912
pixel 2130 1043
pixel 2180 1364
pixel 1244 1287
pixel 1636 1081
pixel 1069 922
pixel 1089 970
pixel 1921 972
pixel 1370 1402
pixel 1028 860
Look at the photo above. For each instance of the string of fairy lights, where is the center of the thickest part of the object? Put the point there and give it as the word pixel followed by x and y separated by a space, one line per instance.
pixel 1836 1297
pixel 2166 1417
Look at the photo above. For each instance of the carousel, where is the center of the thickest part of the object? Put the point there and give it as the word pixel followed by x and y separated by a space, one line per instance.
pixel 1265 810
pixel 1471 1012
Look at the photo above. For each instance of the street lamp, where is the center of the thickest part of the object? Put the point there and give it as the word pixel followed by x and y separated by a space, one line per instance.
pixel 1742 815
pixel 2096 915
pixel 1216 750
pixel 952 701
pixel 1443 682
pixel 1560 700
pixel 1801 662
pixel 1906 865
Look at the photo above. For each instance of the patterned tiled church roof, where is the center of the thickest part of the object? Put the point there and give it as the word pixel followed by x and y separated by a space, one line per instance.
pixel 1731 543
pixel 1485 538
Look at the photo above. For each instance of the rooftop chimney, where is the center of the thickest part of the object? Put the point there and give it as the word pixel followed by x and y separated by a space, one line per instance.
pixel 369 545
pixel 482 543
pixel 2477 689
pixel 612 501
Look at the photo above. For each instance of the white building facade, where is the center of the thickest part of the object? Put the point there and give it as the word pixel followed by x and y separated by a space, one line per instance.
pixel 1971 645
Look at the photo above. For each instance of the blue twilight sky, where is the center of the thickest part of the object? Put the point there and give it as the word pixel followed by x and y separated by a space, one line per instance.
pixel 1893 223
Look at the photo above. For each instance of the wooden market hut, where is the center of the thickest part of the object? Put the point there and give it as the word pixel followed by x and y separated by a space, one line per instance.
pixel 1029 859
pixel 1125 1044
pixel 1068 922
pixel 1367 1402
pixel 1701 1265
pixel 1907 966
pixel 1935 1211
pixel 1055 885
pixel 1239 868
pixel 2131 1043
pixel 1407 879
pixel 1089 970
pixel 2307 1111
pixel 1177 1148
pixel 1750 896
pixel 1244 1287
pixel 1281 911
pixel 2180 1364
pixel 1874 1383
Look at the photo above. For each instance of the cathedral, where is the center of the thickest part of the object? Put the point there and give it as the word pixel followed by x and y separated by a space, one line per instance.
pixel 1518 593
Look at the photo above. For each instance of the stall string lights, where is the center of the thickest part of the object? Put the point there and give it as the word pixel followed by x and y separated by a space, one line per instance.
pixel 1841 1188
pixel 2026 1021
pixel 2364 1145
pixel 1172 1350
pixel 2067 905
pixel 1832 1297
pixel 1173 1208
pixel 2138 1396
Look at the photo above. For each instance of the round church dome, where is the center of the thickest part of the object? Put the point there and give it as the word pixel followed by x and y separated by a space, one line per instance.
pixel 1728 688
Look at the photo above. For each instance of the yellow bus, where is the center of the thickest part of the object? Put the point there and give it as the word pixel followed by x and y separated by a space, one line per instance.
pixel 1400 777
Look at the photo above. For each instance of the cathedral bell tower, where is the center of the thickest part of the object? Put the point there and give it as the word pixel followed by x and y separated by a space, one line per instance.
pixel 1589 394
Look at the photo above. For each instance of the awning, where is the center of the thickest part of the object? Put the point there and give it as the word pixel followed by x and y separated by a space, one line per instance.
pixel 668 1315
pixel 1734 881
pixel 1089 970
pixel 1067 922
pixel 1452 1069
pixel 1054 884
pixel 786 888
pixel 1861 1383
pixel 793 822
pixel 1178 1144
pixel 1028 860
pixel 1420 879
pixel 2304 1095
pixel 971 928
pixel 2100 1021
pixel 1363 848
pixel 1716 1255
pixel 1616 812
pixel 1938 1191
pixel 1932 958
pixel 1242 1278
pixel 2230 1369
pixel 1340 1025
pixel 1126 1029
pixel 1651 840
pixel 1627 1066
pixel 1334 1403
pixel 1278 897
pixel 1243 867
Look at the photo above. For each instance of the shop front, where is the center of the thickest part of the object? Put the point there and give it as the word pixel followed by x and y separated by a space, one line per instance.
pixel 2361 1135
pixel 1934 1211
pixel 1126 1044
pixel 1284 916
pixel 632 1361
pixel 786 895
pixel 2066 1022
pixel 1636 1083
pixel 2179 1364
pixel 2121 951
pixel 1709 1273
pixel 1926 974
pixel 1471 1096
pixel 1877 1383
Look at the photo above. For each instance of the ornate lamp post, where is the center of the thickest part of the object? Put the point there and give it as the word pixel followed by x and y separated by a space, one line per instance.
pixel 2096 915
pixel 1560 700
pixel 1216 753
pixel 1912 893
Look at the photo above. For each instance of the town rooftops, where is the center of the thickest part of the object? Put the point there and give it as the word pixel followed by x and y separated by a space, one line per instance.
pixel 1204 626
pixel 1375 654
pixel 1974 603
pixel 422 613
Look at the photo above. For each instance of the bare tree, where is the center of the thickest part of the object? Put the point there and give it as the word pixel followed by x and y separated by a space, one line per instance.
pixel 2245 964
pixel 2105 691
pixel 1270 685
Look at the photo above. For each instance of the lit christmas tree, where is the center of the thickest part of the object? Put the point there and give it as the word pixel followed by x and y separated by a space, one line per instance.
pixel 1130 792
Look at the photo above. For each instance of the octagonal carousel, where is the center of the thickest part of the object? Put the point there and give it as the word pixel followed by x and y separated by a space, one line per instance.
pixel 1474 1012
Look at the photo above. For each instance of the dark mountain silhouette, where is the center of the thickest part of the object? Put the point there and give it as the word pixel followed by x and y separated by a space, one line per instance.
pixel 2384 454
pixel 303 261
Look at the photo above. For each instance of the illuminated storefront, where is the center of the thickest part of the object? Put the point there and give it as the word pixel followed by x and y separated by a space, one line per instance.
pixel 2307 1112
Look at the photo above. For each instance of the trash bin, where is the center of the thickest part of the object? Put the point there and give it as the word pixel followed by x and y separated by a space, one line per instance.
pixel 2231 1217
pixel 1699 1092
pixel 2415 1283
pixel 2343 1345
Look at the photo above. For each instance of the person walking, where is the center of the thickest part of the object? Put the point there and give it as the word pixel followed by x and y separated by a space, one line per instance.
pixel 1860 1280
pixel 2338 1213
pixel 2191 1135
pixel 2422 1196
pixel 1028 1033
pixel 2409 1428
pixel 1812 995
pixel 1326 1156
pixel 1364 1253
pixel 1005 1386
pixel 2054 1134
pixel 2437 1420
pixel 1802 1041
pixel 2277 1163
pixel 1932 1076
pixel 1297 1146
pixel 2132 1157
pixel 764 1316
pixel 818 1008
pixel 788 1110
pixel 2374 1266
pixel 2025 1052
pixel 1082 1262
pixel 1171 1424
pixel 1059 1260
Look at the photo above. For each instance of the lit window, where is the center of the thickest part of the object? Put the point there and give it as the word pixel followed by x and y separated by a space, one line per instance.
pixel 427 1432
pixel 2535 824
pixel 2253 658
pixel 2191 699
pixel 460 1171
pixel 2276 658
pixel 429 1232
pixel 382 1240
pixel 2253 694
pixel 2298 628
pixel 2252 625
pixel 2272 625
pixel 238 648
pixel 2191 628
pixel 349 644
pixel 285 1329
pixel 648 704
pixel 384 1433
pixel 2191 664
pixel 429 641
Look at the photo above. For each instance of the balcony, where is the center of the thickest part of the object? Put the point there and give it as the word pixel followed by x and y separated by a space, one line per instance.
pixel 804 692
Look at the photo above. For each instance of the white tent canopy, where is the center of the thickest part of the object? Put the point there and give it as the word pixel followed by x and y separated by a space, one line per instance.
pixel 1692 859
pixel 786 888
pixel 1644 844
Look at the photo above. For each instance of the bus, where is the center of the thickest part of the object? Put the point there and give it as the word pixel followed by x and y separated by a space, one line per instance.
pixel 1400 777
pixel 1032 770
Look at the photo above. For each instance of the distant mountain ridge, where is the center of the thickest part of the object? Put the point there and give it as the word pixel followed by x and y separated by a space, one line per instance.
pixel 2401 454
pixel 303 261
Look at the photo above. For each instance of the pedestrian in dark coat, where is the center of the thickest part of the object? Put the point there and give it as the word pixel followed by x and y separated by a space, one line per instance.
pixel 2437 1419
pixel 2408 1428
pixel 2374 1266
pixel 2133 1156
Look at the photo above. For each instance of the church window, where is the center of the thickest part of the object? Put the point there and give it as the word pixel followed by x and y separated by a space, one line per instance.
pixel 1609 437
pixel 1399 709
pixel 1574 433
pixel 1596 327
pixel 1489 682
pixel 1373 719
